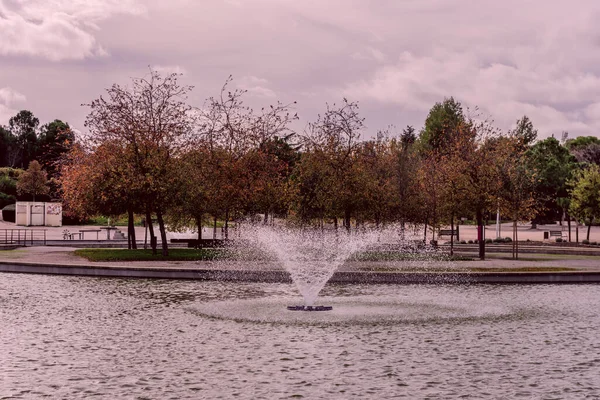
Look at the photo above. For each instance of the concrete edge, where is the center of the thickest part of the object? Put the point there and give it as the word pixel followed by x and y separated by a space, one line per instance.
pixel 275 276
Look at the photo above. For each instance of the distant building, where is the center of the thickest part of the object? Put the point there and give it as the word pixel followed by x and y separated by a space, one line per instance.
pixel 38 214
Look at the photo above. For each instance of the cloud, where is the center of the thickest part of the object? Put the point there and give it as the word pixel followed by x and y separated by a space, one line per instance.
pixel 169 69
pixel 255 86
pixel 57 29
pixel 535 62
pixel 8 98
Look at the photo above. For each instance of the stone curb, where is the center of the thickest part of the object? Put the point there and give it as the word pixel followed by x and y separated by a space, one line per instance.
pixel 274 276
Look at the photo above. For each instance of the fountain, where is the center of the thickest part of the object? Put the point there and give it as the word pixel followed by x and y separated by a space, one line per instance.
pixel 311 256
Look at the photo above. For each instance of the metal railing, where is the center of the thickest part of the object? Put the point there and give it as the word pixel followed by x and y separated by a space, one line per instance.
pixel 23 237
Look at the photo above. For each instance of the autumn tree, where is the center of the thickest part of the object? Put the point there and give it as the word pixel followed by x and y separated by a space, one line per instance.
pixel 97 183
pixel 153 125
pixel 245 153
pixel 33 181
pixel 517 194
pixel 335 137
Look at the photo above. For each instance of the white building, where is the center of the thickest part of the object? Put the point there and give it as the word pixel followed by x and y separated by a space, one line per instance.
pixel 38 214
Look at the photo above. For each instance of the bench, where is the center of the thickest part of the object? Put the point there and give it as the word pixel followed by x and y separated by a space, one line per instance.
pixel 450 232
pixel 83 231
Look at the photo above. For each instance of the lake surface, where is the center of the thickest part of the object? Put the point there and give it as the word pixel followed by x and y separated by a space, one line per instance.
pixel 80 338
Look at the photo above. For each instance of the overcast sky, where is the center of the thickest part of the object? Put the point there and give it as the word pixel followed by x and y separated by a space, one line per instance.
pixel 395 57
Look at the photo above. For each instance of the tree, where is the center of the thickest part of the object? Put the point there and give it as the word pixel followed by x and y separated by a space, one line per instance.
pixel 442 123
pixel 589 154
pixel 7 144
pixel 335 136
pixel 23 127
pixel 517 194
pixel 153 125
pixel 408 136
pixel 585 195
pixel 33 181
pixel 8 185
pixel 98 183
pixel 554 165
pixel 55 140
pixel 581 142
pixel 525 131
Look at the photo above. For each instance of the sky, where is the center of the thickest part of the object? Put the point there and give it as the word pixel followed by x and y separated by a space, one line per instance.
pixel 396 58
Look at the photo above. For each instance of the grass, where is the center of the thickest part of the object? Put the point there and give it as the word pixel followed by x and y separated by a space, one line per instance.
pixel 12 254
pixel 474 269
pixel 523 269
pixel 540 256
pixel 146 255
pixel 398 256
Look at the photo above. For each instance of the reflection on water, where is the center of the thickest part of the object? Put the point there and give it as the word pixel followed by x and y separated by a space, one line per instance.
pixel 65 337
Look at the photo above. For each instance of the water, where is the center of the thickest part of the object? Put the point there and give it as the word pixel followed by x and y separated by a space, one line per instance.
pixel 80 338
pixel 311 256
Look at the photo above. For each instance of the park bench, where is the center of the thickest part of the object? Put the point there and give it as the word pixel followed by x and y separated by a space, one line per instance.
pixel 83 231
pixel 450 232
pixel 556 234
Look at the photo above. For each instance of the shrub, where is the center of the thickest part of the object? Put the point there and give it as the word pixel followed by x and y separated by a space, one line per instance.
pixel 585 241
pixel 476 241
pixel 488 240
pixel 594 243
pixel 559 240
pixel 470 242
pixel 463 242
pixel 498 240
pixel 508 240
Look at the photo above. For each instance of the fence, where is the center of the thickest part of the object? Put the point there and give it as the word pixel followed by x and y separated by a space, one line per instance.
pixel 23 237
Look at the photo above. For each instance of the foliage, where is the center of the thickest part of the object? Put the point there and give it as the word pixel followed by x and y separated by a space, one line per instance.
pixel 554 165
pixel 524 131
pixel 23 127
pixel 585 194
pixel 442 124
pixel 33 181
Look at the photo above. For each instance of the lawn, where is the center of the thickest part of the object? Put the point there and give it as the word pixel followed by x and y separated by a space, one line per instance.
pixel 146 255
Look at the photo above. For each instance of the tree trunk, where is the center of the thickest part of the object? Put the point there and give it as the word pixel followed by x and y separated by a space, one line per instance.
pixel 589 228
pixel 452 235
pixel 226 224
pixel 335 223
pixel 347 220
pixel 151 229
pixel 214 228
pixel 569 225
pixel 163 233
pixel 577 232
pixel 131 242
pixel 514 241
pixel 199 226
pixel 425 232
pixel 480 240
pixel 402 229
pixel 266 219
